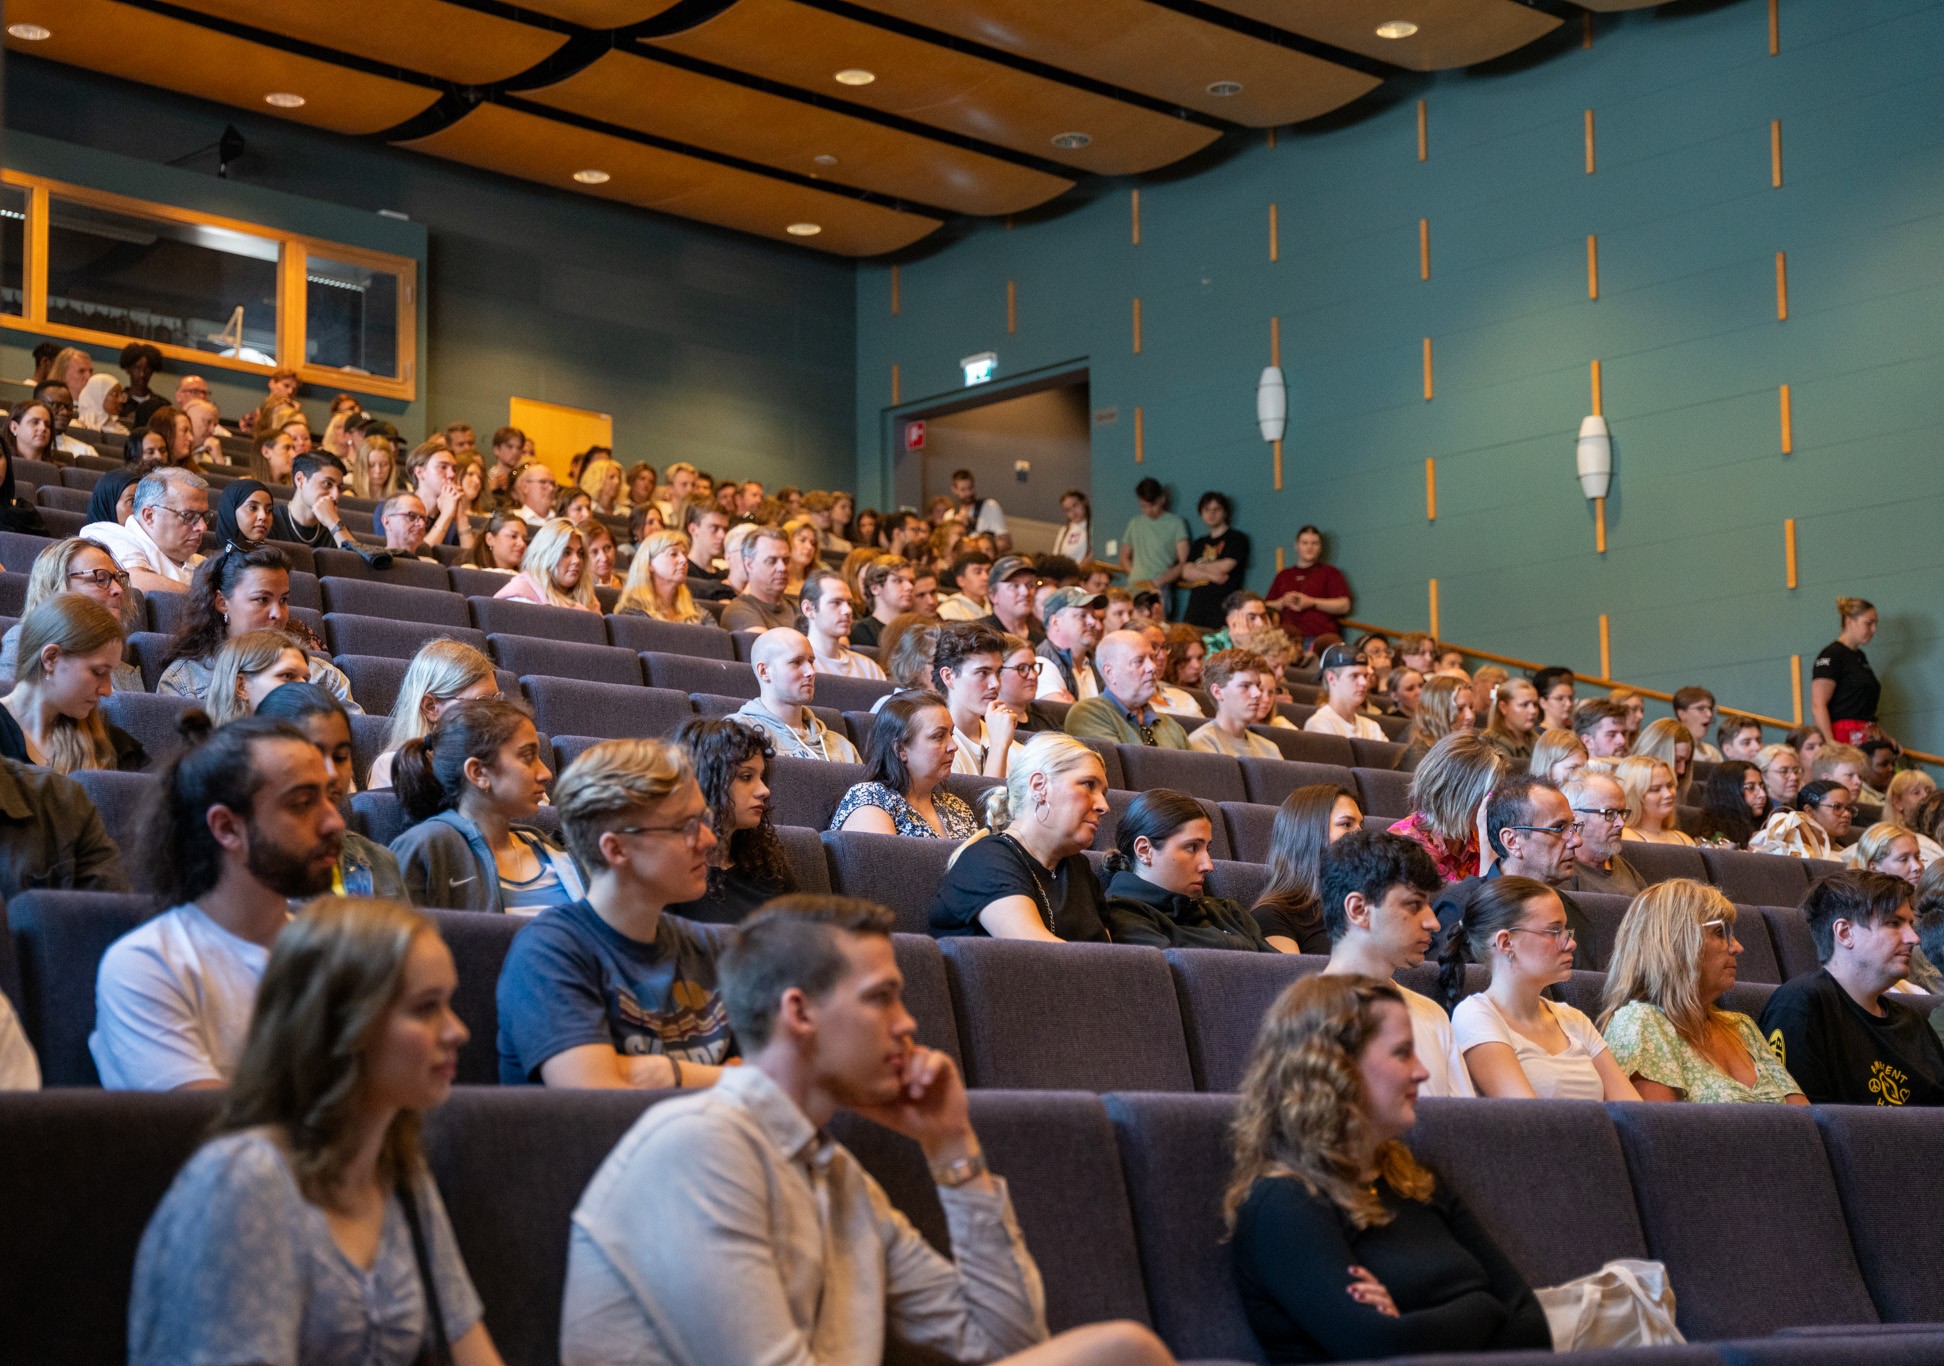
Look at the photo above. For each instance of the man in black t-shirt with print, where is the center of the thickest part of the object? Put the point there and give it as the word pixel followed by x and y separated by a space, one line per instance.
pixel 1842 1038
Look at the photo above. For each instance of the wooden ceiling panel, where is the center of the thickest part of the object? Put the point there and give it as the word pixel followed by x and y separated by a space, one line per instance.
pixel 535 148
pixel 428 36
pixel 213 66
pixel 601 14
pixel 1154 51
pixel 774 130
pixel 783 41
pixel 1450 33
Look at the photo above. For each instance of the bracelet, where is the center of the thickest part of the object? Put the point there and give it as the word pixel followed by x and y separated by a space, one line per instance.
pixel 960 1171
pixel 676 1063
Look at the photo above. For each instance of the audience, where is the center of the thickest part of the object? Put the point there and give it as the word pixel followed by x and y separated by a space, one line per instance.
pixel 1673 960
pixel 732 764
pixel 1555 689
pixel 80 567
pixel 1558 755
pixel 1840 1029
pixel 1448 793
pixel 237 593
pixel 786 682
pixel 1781 770
pixel 967 661
pixel 761 605
pixel 657 585
pixel 827 612
pixel 1649 785
pixel 1236 680
pixel 248 668
pixel 1513 721
pixel 1531 832
pixel 1740 737
pixel 1029 879
pixel 364 867
pixel 1669 741
pixel 1346 684
pixel 242 823
pixel 1289 912
pixel 1011 588
pixel 1123 713
pixel 1887 847
pixel 1821 818
pixel 157 546
pixel 1733 804
pixel 1160 867
pixel 887 583
pixel 912 749
pixel 501 546
pixel 1311 595
pixel 444 671
pixel 469 784
pixel 244 514
pixel 69 648
pixel 1600 805
pixel 1444 706
pixel 1843 688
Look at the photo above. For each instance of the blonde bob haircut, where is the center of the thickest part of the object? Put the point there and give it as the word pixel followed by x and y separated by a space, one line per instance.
pixel 1459 772
pixel 243 657
pixel 1635 774
pixel 612 784
pixel 544 551
pixel 1553 746
pixel 439 672
pixel 1657 955
pixel 1876 843
pixel 336 972
pixel 596 475
pixel 49 577
pixel 1302 1110
pixel 1046 757
pixel 73 625
pixel 1902 786
pixel 639 594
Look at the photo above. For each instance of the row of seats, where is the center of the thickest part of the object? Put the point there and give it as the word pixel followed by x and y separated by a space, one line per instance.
pixel 1768 1219
pixel 1017 1014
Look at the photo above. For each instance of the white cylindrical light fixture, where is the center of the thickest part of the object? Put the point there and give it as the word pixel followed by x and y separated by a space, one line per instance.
pixel 1595 457
pixel 1272 403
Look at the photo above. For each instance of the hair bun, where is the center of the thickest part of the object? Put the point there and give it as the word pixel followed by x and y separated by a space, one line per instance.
pixel 194 726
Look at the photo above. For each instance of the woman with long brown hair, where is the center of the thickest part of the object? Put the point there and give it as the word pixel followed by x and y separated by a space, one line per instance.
pixel 1346 1246
pixel 1290 910
pixel 69 649
pixel 1445 705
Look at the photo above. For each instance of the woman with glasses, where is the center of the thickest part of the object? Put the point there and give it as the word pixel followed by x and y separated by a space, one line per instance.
pixel 79 566
pixel 910 755
pixel 1781 770
pixel 1516 1043
pixel 1674 958
pixel 1650 787
pixel 746 862
pixel 1821 819
pixel 233 593
pixel 1733 804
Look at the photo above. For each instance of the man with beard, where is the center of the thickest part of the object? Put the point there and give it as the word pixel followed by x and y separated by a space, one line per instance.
pixel 244 823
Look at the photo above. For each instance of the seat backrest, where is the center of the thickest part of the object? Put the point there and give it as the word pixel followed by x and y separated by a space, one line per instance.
pixel 1110 763
pixel 1379 754
pixel 1237 881
pixel 375 679
pixel 1270 780
pixel 1119 799
pixel 714 705
pixel 19 548
pixel 891 870
pixel 1788 932
pixel 470 581
pixel 685 673
pixel 508 617
pixel 850 694
pixel 1383 792
pixel 151 652
pixel 569 706
pixel 374 598
pixel 370 734
pixel 63 497
pixel 13 593
pixel 566 659
pixel 1310 747
pixel 803 850
pixel 58 520
pixel 403 571
pixel 805 792
pixel 1753 879
pixel 479 945
pixel 1660 862
pixel 1066 1017
pixel 124 800
pixel 36 472
pixel 1884 1159
pixel 1222 996
pixel 1604 912
pixel 149 718
pixel 1707 1178
pixel 646 635
pixel 350 634
pixel 59 938
pixel 1251 828
pixel 1214 776
pixel 384 819
pixel 1176 1159
pixel 1759 961
pixel 927 994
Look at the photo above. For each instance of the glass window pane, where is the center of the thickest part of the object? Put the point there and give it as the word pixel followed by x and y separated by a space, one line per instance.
pixel 207 289
pixel 13 250
pixel 351 317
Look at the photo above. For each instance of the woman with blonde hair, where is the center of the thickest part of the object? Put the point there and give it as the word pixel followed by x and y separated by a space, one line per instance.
pixel 1346 1246
pixel 657 585
pixel 1649 787
pixel 248 669
pixel 1514 718
pixel 443 672
pixel 1887 847
pixel 603 481
pixel 309 1228
pixel 1444 706
pixel 75 565
pixel 1673 744
pixel 69 647
pixel 1673 959
pixel 1909 790
pixel 376 466
pixel 1635 704
pixel 553 572
pixel 1447 791
pixel 1558 756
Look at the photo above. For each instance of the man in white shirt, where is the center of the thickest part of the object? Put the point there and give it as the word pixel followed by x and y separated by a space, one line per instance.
pixel 60 413
pixel 1073 628
pixel 1346 682
pixel 980 514
pixel 534 489
pixel 1377 890
pixel 246 825
pixel 786 681
pixel 740 1190
pixel 827 611
pixel 965 672
pixel 158 545
pixel 1235 679
pixel 970 571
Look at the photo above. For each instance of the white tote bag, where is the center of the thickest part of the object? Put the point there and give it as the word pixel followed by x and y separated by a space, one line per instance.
pixel 1623 1304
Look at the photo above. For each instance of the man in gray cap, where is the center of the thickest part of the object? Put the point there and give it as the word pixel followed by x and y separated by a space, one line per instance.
pixel 1011 591
pixel 1346 682
pixel 1072 630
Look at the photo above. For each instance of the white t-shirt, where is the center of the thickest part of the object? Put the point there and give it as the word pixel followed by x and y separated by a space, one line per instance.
pixel 958 607
pixel 133 549
pixel 1086 682
pixel 173 999
pixel 1570 1075
pixel 1328 722
pixel 970 754
pixel 19 1068
pixel 987 516
pixel 1074 542
pixel 1437 1048
pixel 850 665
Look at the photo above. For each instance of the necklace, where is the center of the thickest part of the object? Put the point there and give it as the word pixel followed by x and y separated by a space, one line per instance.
pixel 1044 898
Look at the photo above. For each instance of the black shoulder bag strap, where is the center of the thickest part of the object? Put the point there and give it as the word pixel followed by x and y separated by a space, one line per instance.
pixel 437 1350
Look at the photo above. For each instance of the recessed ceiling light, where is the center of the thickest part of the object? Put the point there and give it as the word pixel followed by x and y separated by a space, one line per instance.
pixel 29 33
pixel 1072 142
pixel 1396 28
pixel 1221 90
pixel 855 75
pixel 804 229
pixel 283 99
pixel 824 159
pixel 591 177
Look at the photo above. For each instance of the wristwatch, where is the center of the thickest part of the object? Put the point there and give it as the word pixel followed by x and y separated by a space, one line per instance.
pixel 960 1171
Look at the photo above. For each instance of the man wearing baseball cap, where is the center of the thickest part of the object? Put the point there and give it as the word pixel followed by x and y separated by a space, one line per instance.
pixel 1072 631
pixel 1011 591
pixel 1346 682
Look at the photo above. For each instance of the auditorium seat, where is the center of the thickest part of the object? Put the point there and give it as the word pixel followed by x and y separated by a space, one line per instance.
pixel 1269 781
pixel 1760 960
pixel 150 653
pixel 645 635
pixel 927 995
pixel 970 788
pixel 1251 828
pixel 1110 763
pixel 59 938
pixel 1885 1160
pixel 1378 754
pixel 890 870
pixel 742 642
pixel 507 617
pixel 805 792
pixel 1119 799
pixel 78 476
pixel 397 602
pixel 715 706
pixel 63 497
pixel 358 635
pixel 1216 777
pixel 803 850
pixel 35 472
pixel 687 674
pixel 61 522
pixel 13 593
pixel 610 711
pixel 1222 996
pixel 404 571
pixel 566 659
pixel 150 719
pixel 1660 862
pixel 124 800
pixel 1310 747
pixel 307 593
pixel 1754 879
pixel 376 679
pixel 479 945
pixel 300 556
pixel 1064 1017
pixel 1816 869
pixel 19 549
pixel 1236 881
pixel 1788 930
pixel 370 737
pixel 1604 912
pixel 850 694
pixel 1383 791
pixel 469 581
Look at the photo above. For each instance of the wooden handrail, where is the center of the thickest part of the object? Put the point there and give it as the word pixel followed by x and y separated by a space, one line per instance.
pixel 1529 665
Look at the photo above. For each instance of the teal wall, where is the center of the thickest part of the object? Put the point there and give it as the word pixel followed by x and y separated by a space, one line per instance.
pixel 735 353
pixel 1685 326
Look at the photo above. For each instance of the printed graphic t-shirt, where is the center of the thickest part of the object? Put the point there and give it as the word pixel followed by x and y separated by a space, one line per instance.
pixel 1840 1054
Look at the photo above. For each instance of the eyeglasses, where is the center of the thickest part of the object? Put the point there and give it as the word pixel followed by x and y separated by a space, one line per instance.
pixel 413 518
pixel 1559 934
pixel 1612 815
pixel 100 578
pixel 1030 669
pixel 1717 929
pixel 1556 831
pixel 189 517
pixel 690 830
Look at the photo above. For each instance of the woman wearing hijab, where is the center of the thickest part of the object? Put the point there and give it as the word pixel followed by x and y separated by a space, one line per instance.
pixel 113 499
pixel 243 513
pixel 98 406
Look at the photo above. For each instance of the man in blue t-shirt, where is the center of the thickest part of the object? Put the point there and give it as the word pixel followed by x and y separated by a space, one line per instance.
pixel 609 992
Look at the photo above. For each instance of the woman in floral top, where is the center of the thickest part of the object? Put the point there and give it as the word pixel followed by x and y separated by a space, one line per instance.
pixel 911 752
pixel 1446 792
pixel 1674 957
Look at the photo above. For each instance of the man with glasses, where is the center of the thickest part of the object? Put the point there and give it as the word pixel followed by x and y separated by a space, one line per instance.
pixel 158 547
pixel 1124 711
pixel 607 991
pixel 402 521
pixel 1073 627
pixel 534 491
pixel 60 412
pixel 1532 832
pixel 1599 866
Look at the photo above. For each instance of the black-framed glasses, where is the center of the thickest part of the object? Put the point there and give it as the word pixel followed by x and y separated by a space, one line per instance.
pixel 1556 831
pixel 690 829
pixel 188 516
pixel 100 578
pixel 1030 669
pixel 1610 814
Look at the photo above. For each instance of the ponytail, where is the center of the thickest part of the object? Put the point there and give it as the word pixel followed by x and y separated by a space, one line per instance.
pixel 1156 816
pixel 1499 904
pixel 429 773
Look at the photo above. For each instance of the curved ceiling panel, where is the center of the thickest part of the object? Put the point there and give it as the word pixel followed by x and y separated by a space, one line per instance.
pixel 539 149
pixel 214 66
pixel 601 14
pixel 428 36
pixel 1154 51
pixel 1448 33
pixel 774 130
pixel 783 41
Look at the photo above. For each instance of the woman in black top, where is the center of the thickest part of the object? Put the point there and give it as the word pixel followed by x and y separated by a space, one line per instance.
pixel 746 867
pixel 1290 910
pixel 1733 804
pixel 1030 879
pixel 1843 688
pixel 1160 866
pixel 1346 1247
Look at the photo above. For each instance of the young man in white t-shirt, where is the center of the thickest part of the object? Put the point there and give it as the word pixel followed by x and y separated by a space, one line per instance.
pixel 247 825
pixel 1346 682
pixel 1236 680
pixel 1377 890
pixel 828 610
